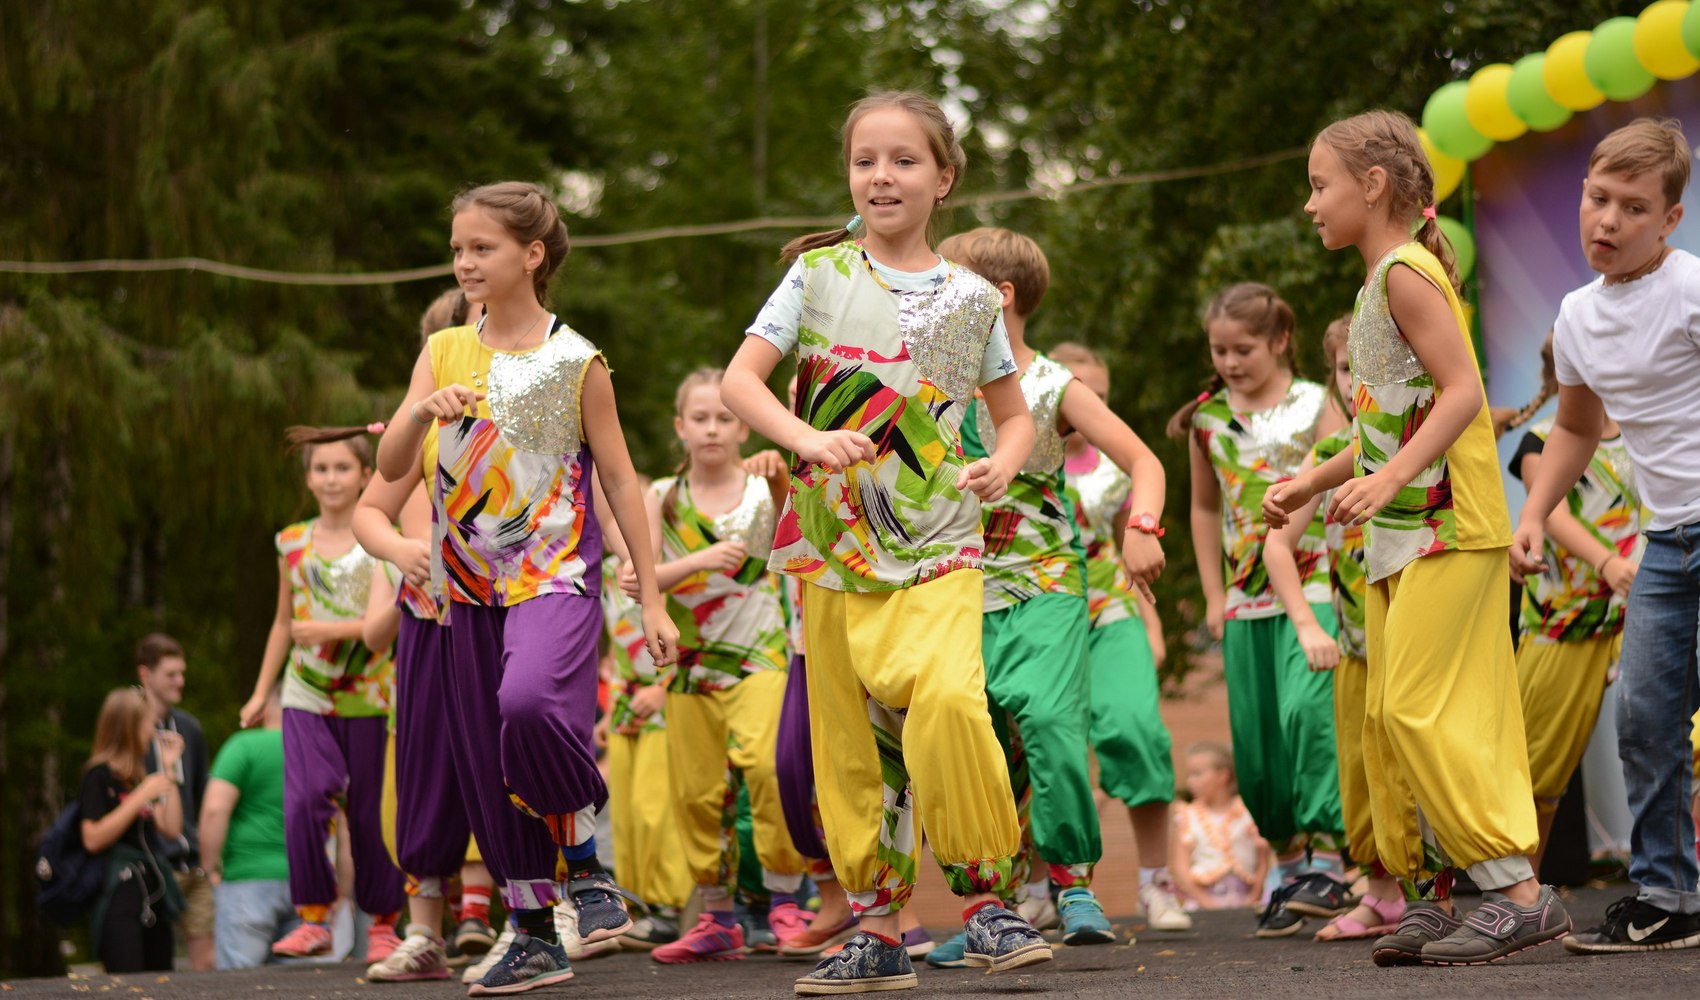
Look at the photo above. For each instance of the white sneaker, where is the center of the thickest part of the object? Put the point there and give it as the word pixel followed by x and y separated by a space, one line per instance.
pixel 1162 910
pixel 419 956
pixel 1040 911
pixel 497 952
pixel 566 925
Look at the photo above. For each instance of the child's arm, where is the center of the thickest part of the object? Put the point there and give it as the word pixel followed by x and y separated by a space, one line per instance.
pixel 1265 855
pixel 382 620
pixel 744 391
pixel 1207 535
pixel 1425 319
pixel 277 648
pixel 1282 499
pixel 1180 864
pixel 770 465
pixel 989 477
pixel 374 527
pixel 611 537
pixel 1617 570
pixel 601 420
pixel 1153 631
pixel 1098 424
pixel 721 557
pixel 1321 649
pixel 216 810
pixel 1570 447
pixel 398 448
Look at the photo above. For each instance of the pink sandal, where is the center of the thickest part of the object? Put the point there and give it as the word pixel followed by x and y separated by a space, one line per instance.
pixel 1346 928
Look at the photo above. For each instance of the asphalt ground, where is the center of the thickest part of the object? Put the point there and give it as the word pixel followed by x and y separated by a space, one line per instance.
pixel 1219 958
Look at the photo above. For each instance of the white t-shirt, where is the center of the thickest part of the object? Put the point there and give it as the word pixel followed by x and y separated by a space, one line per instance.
pixel 781 319
pixel 1637 346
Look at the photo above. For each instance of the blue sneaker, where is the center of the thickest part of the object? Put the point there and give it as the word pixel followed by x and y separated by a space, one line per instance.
pixel 602 912
pixel 864 965
pixel 1083 920
pixel 528 964
pixel 1001 940
pixel 949 954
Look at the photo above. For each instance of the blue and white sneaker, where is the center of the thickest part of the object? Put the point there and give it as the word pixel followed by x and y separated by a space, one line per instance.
pixel 948 955
pixel 528 964
pixel 998 939
pixel 864 965
pixel 601 909
pixel 1083 920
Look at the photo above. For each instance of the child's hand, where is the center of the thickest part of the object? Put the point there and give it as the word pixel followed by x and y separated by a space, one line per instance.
pixel 253 711
pixel 629 582
pixel 1284 498
pixel 599 734
pixel 660 635
pixel 986 478
pixel 836 450
pixel 1322 652
pixel 415 563
pixel 1214 615
pixel 1142 553
pixel 722 557
pixel 307 632
pixel 1619 574
pixel 170 748
pixel 768 464
pixel 646 701
pixel 1362 498
pixel 155 786
pixel 1528 547
pixel 447 404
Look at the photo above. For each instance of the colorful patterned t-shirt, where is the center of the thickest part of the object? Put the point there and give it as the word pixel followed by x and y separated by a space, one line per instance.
pixel 342 678
pixel 633 666
pixel 1029 532
pixel 1345 558
pixel 1251 452
pixel 511 504
pixel 1099 490
pixel 1458 501
pixel 1570 602
pixel 730 624
pixel 898 360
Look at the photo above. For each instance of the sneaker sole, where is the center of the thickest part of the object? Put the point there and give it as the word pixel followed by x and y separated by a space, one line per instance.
pixel 594 950
pixel 605 933
pixel 1317 909
pixel 1628 947
pixel 320 953
pixel 1390 957
pixel 812 951
pixel 1280 932
pixel 717 956
pixel 919 951
pixel 1032 954
pixel 408 977
pixel 1498 956
pixel 539 982
pixel 1170 926
pixel 829 988
pixel 960 963
pixel 1089 936
pixel 475 945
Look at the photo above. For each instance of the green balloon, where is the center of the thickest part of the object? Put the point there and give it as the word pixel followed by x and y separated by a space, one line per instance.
pixel 1691 30
pixel 1611 64
pixel 1449 128
pixel 1528 97
pixel 1463 244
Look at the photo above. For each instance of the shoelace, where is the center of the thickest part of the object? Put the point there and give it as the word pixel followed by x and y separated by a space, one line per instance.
pixel 1279 897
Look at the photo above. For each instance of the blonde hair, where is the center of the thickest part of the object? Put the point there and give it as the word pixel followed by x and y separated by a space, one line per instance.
pixel 1334 337
pixel 1000 255
pixel 1388 139
pixel 1548 389
pixel 530 216
pixel 1069 352
pixel 118 740
pixel 1263 313
pixel 1219 755
pixel 941 140
pixel 1643 146
pixel 695 380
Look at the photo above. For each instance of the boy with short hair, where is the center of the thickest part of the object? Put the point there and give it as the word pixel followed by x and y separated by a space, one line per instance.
pixel 1629 342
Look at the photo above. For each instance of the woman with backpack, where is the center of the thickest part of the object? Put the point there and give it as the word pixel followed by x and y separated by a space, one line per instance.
pixel 124 810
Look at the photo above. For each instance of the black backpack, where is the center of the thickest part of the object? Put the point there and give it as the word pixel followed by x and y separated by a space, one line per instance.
pixel 68 878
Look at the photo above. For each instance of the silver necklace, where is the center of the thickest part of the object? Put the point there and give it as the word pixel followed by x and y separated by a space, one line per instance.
pixel 477 377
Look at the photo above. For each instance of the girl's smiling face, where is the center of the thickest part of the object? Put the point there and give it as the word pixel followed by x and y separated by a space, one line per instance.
pixel 335 476
pixel 488 262
pixel 895 180
pixel 1336 205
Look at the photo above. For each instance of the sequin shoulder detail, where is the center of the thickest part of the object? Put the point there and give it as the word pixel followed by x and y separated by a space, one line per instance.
pixel 1042 384
pixel 1380 354
pixel 535 396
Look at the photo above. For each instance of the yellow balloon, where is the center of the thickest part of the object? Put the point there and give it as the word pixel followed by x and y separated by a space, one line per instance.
pixel 1448 170
pixel 1658 41
pixel 1564 76
pixel 1486 107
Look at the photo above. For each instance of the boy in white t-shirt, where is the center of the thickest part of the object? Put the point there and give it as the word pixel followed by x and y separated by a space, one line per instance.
pixel 1630 343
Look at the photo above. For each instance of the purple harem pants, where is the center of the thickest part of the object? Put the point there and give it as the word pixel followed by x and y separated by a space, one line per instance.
pixel 431 807
pixel 327 758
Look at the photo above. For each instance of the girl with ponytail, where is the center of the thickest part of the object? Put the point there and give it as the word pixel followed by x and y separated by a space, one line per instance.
pixel 1448 779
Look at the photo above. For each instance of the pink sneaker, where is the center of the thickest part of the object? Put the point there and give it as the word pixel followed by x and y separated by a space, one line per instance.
pixel 381 942
pixel 305 941
pixel 788 921
pixel 708 941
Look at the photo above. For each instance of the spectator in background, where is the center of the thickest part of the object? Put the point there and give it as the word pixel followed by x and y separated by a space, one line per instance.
pixel 241 828
pixel 160 668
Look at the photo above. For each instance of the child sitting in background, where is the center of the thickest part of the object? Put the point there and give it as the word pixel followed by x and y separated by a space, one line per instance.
pixel 1217 858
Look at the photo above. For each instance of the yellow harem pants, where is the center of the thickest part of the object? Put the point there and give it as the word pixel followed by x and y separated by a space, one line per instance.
pixel 713 738
pixel 897 699
pixel 1351 687
pixel 1444 750
pixel 649 858
pixel 1561 685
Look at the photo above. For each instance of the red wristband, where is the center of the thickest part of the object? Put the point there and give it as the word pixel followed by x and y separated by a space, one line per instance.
pixel 1145 524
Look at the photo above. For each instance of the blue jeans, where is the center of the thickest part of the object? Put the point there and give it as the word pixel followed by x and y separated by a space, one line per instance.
pixel 1656 701
pixel 248 917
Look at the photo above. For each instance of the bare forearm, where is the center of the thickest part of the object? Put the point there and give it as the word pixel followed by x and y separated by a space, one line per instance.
pixel 1332 473
pixel 271 662
pixel 1574 537
pixel 1284 578
pixel 670 574
pixel 399 447
pixel 1015 440
pixel 1454 409
pixel 1207 546
pixel 377 535
pixel 1564 458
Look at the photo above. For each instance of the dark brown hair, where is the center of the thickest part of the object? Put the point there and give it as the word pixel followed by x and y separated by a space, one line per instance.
pixel 529 216
pixel 941 139
pixel 304 439
pixel 1264 314
pixel 154 647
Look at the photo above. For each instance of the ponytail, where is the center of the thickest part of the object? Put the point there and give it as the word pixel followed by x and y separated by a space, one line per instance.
pixel 1433 239
pixel 1549 387
pixel 1180 425
pixel 813 241
pixel 304 438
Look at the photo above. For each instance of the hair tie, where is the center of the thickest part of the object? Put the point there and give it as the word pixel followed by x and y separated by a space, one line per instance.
pixel 1204 396
pixel 854 224
pixel 1428 213
pixel 375 427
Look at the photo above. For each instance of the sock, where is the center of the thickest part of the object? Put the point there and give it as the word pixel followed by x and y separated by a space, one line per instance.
pixel 893 942
pixel 314 913
pixel 539 923
pixel 1290 869
pixel 1327 861
pixel 576 853
pixel 422 930
pixel 475 904
pixel 976 908
pixel 782 899
pixel 1039 887
pixel 579 868
pixel 1149 876
pixel 725 918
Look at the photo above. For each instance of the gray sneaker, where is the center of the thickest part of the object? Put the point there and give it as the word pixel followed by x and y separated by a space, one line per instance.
pixel 864 965
pixel 998 939
pixel 1498 929
pixel 1423 923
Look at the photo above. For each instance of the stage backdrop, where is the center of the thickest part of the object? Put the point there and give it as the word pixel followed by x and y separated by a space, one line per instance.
pixel 1528 248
